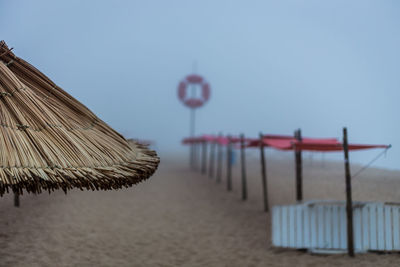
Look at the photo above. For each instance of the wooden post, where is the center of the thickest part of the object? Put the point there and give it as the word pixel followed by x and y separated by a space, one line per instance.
pixel 243 163
pixel 192 129
pixel 16 199
pixel 219 162
pixel 349 202
pixel 198 157
pixel 204 157
pixel 212 159
pixel 299 169
pixel 194 167
pixel 191 156
pixel 229 165
pixel 264 174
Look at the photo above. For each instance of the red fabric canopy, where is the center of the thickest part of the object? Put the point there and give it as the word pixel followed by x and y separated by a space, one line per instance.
pixel 324 147
pixel 284 142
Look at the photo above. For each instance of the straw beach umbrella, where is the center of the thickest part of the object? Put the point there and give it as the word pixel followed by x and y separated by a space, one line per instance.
pixel 49 140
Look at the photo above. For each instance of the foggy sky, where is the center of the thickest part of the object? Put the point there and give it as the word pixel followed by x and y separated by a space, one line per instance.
pixel 273 66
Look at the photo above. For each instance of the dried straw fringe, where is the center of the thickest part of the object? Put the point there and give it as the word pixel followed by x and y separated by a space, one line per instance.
pixel 48 140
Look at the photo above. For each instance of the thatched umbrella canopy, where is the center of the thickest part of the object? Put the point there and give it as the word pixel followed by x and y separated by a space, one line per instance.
pixel 49 140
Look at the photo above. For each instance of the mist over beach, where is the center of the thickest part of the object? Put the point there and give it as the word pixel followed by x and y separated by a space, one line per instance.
pixel 114 110
pixel 273 66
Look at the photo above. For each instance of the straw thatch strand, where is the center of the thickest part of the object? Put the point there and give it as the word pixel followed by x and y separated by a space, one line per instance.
pixel 49 140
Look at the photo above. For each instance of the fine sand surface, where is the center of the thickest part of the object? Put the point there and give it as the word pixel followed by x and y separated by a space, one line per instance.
pixel 179 218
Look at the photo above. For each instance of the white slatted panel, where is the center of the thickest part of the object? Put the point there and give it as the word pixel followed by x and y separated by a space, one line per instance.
pixel 380 227
pixel 328 227
pixel 313 228
pixel 320 225
pixel 396 237
pixel 388 228
pixel 343 229
pixel 335 227
pixel 357 228
pixel 324 226
pixel 372 227
pixel 292 228
pixel 276 226
pixel 365 228
pixel 285 227
pixel 307 227
pixel 299 226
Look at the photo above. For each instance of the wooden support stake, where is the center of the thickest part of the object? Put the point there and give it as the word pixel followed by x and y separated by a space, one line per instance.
pixel 16 199
pixel 229 165
pixel 212 159
pixel 299 169
pixel 194 156
pixel 219 163
pixel 198 157
pixel 192 129
pixel 191 151
pixel 349 202
pixel 243 163
pixel 194 145
pixel 264 174
pixel 204 158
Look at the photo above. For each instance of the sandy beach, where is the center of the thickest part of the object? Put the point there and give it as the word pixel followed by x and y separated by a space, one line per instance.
pixel 180 218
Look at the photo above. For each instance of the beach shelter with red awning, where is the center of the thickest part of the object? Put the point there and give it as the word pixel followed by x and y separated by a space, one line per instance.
pixel 314 144
pixel 291 143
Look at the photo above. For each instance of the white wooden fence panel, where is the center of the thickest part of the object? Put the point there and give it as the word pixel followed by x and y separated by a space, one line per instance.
pixel 307 227
pixel 357 228
pixel 299 226
pixel 292 228
pixel 328 227
pixel 313 228
pixel 388 228
pixel 372 227
pixel 366 227
pixel 380 227
pixel 322 225
pixel 335 227
pixel 276 225
pixel 396 237
pixel 284 227
pixel 343 229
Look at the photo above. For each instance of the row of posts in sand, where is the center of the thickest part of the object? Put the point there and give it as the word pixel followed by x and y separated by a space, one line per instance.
pixel 198 161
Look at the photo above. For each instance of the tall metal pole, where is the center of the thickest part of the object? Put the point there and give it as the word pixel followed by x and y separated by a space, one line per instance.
pixel 191 160
pixel 212 159
pixel 219 161
pixel 349 201
pixel 199 155
pixel 264 174
pixel 243 163
pixel 299 169
pixel 193 122
pixel 229 165
pixel 195 148
pixel 204 157
pixel 192 132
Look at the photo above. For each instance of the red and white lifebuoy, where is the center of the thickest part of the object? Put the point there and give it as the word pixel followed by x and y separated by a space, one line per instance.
pixel 193 102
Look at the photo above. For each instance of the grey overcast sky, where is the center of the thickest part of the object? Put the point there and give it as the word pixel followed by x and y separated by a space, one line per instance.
pixel 273 66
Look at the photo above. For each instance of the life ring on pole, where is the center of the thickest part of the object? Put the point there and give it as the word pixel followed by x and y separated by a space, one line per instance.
pixel 193 102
